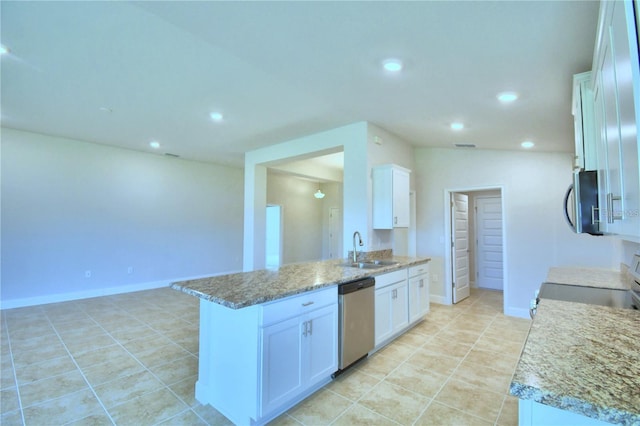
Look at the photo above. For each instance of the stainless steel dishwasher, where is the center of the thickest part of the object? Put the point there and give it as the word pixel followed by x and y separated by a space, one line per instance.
pixel 356 322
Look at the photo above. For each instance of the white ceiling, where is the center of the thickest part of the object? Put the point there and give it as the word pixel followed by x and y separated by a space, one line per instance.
pixel 281 70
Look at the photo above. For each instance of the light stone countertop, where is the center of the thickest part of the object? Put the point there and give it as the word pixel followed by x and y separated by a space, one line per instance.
pixel 584 359
pixel 244 289
pixel 587 277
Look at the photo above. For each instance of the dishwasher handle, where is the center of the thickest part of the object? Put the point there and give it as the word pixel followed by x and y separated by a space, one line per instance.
pixel 352 286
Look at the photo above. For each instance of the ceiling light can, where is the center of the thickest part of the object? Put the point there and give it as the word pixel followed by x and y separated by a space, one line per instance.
pixel 457 126
pixel 392 65
pixel 507 97
pixel 216 116
pixel 154 144
pixel 527 144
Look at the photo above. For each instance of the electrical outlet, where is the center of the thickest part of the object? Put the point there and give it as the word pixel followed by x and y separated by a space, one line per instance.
pixel 130 270
pixel 87 274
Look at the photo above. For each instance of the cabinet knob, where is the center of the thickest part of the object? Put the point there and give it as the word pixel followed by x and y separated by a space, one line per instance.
pixel 308 303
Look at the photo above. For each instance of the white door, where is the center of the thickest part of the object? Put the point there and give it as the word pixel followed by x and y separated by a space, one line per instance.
pixel 460 246
pixel 489 242
pixel 335 234
pixel 273 246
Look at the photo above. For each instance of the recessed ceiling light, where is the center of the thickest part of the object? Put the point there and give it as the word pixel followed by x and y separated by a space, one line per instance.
pixel 392 64
pixel 106 109
pixel 154 144
pixel 4 49
pixel 216 116
pixel 507 97
pixel 457 126
pixel 527 144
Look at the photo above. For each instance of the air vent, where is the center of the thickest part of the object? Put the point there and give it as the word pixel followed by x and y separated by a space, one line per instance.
pixel 168 154
pixel 465 145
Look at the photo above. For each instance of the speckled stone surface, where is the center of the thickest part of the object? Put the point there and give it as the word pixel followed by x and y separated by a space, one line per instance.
pixel 250 288
pixel 584 359
pixel 588 277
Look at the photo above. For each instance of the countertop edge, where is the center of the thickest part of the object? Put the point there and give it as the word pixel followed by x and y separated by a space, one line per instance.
pixel 573 404
pixel 179 286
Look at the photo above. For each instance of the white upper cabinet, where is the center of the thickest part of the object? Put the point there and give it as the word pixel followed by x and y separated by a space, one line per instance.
pixel 616 94
pixel 391 188
pixel 584 122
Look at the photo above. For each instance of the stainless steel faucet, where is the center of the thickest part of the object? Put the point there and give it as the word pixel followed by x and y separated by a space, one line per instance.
pixel 355 254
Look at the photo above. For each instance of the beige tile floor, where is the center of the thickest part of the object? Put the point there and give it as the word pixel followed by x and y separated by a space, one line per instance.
pixel 131 359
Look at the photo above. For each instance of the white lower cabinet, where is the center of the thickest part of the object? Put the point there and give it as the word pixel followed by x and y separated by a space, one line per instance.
pixel 297 353
pixel 259 361
pixel 391 305
pixel 418 292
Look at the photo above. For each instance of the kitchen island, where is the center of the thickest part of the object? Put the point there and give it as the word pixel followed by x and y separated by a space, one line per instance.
pixel 580 366
pixel 269 338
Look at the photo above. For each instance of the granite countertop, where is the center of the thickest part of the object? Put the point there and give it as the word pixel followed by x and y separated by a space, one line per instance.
pixel 584 359
pixel 587 277
pixel 250 288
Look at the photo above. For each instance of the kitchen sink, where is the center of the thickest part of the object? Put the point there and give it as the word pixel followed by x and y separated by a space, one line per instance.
pixel 369 264
pixel 361 265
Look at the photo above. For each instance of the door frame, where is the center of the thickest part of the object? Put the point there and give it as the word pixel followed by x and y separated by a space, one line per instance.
pixel 448 276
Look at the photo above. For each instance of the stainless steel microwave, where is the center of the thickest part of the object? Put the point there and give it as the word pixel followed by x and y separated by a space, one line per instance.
pixel 581 209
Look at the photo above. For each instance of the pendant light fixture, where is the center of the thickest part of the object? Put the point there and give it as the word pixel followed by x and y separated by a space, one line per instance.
pixel 319 194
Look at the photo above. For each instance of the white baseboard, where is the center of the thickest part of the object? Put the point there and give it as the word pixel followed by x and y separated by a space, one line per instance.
pixel 107 291
pixel 441 300
pixel 517 312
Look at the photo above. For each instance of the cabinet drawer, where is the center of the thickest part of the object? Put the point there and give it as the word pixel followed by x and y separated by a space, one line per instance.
pixel 299 304
pixel 390 278
pixel 418 270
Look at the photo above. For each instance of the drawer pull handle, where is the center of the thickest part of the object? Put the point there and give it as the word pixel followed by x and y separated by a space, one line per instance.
pixel 308 303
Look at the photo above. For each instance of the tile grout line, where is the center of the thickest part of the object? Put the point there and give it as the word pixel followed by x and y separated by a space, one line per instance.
pixel 144 367
pixel 79 369
pixel 13 368
pixel 167 387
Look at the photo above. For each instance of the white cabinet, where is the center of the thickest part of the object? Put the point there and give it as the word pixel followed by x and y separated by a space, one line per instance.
pixel 616 98
pixel 296 354
pixel 418 292
pixel 391 186
pixel 584 122
pixel 258 361
pixel 391 305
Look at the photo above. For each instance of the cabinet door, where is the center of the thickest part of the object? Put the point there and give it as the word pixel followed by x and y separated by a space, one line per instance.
pixel 418 297
pixel 281 363
pixel 383 314
pixel 401 188
pixel 321 344
pixel 399 306
pixel 625 50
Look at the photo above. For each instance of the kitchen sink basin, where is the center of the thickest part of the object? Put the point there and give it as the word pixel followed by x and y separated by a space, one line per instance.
pixel 361 265
pixel 369 264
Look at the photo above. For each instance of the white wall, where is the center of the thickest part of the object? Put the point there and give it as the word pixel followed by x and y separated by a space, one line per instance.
pixel 71 206
pixel 301 217
pixel 536 234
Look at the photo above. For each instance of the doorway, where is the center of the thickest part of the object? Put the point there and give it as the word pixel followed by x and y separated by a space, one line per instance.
pixel 273 245
pixel 476 235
